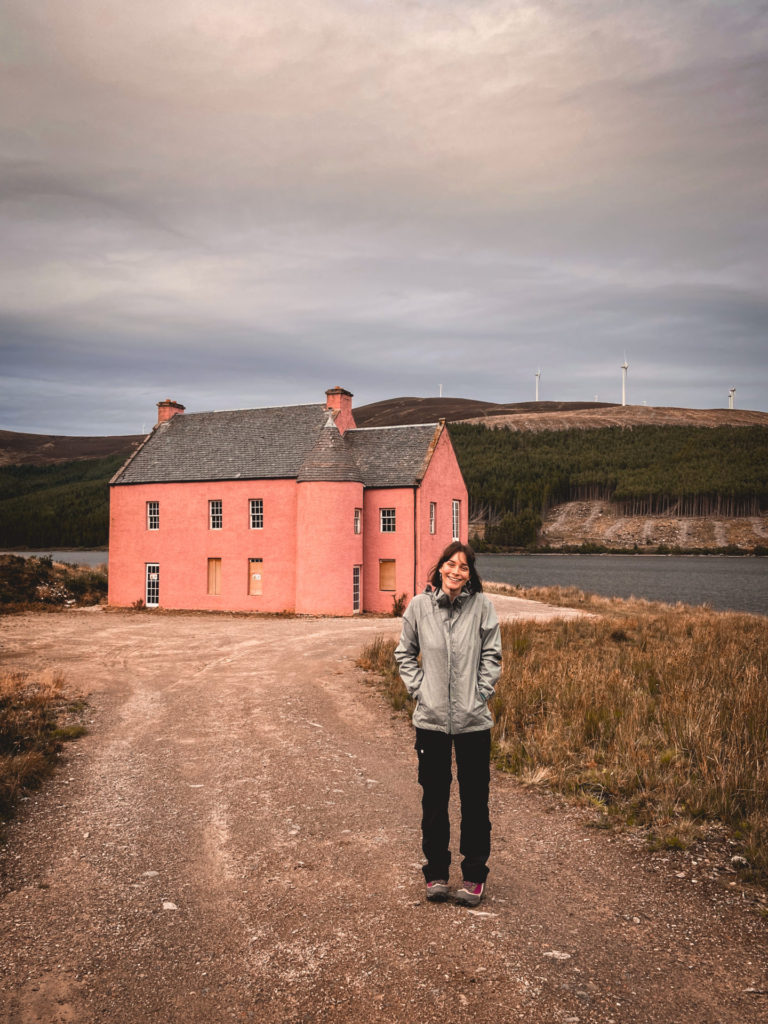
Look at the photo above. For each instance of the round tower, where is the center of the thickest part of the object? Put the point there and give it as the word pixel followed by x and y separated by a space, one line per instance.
pixel 329 539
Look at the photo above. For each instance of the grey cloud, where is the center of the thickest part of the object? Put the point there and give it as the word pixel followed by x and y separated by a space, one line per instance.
pixel 388 196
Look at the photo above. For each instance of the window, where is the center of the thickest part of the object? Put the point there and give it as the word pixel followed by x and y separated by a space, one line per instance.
pixel 456 519
pixel 255 573
pixel 214 576
pixel 153 515
pixel 387 516
pixel 432 516
pixel 386 574
pixel 215 515
pixel 355 588
pixel 152 591
pixel 358 520
pixel 257 513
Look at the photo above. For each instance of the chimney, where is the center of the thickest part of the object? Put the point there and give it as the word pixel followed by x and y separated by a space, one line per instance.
pixel 341 400
pixel 168 409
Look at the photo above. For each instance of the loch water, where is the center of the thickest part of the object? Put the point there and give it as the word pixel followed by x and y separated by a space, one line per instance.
pixel 73 556
pixel 726 583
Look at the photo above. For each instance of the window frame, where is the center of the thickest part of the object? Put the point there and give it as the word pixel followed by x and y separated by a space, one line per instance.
pixel 256 513
pixel 357 588
pixel 357 525
pixel 214 515
pixel 456 518
pixel 149 569
pixel 388 520
pixel 153 515
pixel 433 517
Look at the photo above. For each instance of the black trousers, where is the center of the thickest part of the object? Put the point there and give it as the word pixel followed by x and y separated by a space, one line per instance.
pixel 473 754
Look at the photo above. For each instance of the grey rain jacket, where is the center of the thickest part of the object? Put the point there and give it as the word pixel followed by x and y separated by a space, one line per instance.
pixel 460 647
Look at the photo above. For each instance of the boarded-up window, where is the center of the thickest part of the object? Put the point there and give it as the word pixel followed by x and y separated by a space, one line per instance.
pixel 255 573
pixel 214 576
pixel 387 574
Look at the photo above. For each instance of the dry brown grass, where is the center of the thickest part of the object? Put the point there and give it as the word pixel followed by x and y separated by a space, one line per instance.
pixel 658 718
pixel 378 657
pixel 574 597
pixel 31 733
pixel 654 715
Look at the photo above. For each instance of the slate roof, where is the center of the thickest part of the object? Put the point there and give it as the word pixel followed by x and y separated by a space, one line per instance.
pixel 330 458
pixel 392 456
pixel 252 444
pixel 298 441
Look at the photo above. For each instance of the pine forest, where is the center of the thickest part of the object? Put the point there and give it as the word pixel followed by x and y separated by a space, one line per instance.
pixel 512 475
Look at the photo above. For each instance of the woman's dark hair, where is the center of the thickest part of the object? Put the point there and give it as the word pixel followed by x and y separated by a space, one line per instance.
pixel 475 584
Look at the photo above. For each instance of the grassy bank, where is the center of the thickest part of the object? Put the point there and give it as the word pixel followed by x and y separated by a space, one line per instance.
pixel 41 584
pixel 654 715
pixel 36 718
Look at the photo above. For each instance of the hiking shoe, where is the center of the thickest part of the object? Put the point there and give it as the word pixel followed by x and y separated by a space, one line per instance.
pixel 437 890
pixel 470 893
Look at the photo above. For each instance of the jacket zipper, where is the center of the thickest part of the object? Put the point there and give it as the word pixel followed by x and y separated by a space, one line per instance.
pixel 450 668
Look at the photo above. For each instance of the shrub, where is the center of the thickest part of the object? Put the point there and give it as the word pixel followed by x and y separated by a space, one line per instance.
pixel 30 734
pixel 38 581
pixel 378 657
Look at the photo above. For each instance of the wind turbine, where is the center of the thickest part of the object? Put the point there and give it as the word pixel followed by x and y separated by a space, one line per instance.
pixel 624 368
pixel 538 374
pixel 731 393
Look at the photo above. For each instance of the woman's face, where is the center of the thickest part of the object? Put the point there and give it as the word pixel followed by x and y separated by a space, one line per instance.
pixel 454 573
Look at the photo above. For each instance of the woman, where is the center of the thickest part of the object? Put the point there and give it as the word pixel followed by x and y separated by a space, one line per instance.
pixel 453 626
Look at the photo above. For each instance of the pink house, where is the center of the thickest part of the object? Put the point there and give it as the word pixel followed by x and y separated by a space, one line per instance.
pixel 291 508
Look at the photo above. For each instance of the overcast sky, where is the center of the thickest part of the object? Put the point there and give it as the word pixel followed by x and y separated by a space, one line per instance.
pixel 237 203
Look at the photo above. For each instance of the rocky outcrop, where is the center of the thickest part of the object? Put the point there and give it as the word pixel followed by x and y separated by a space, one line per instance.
pixel 599 522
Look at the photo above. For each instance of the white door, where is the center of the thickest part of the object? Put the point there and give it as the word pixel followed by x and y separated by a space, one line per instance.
pixel 153 585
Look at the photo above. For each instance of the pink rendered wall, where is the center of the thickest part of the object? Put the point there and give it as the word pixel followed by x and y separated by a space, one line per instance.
pixel 326 546
pixel 184 543
pixel 378 545
pixel 298 532
pixel 442 483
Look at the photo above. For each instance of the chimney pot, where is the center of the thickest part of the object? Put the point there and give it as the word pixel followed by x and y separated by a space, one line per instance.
pixel 167 409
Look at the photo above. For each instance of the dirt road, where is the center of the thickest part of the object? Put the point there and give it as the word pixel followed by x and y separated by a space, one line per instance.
pixel 237 839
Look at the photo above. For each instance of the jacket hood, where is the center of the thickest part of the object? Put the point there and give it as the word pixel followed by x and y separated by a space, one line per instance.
pixel 442 599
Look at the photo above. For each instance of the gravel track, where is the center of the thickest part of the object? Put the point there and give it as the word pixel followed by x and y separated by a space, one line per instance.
pixel 237 840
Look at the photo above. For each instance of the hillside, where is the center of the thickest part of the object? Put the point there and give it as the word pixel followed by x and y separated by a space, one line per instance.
pixel 399 411
pixel 601 524
pixel 56 504
pixel 582 472
pixel 624 416
pixel 17 449
pixel 547 415
pixel 45 449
